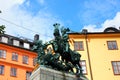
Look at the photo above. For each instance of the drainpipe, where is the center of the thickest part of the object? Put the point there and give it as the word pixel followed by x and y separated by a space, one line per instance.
pixel 85 33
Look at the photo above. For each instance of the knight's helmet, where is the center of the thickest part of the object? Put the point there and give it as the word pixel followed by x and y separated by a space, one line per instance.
pixel 56 29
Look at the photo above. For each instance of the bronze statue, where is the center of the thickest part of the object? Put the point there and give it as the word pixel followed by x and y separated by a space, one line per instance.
pixel 69 59
pixel 39 48
pixel 65 38
pixel 2 31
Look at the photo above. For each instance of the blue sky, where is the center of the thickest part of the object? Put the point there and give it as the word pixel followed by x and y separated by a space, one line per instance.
pixel 40 15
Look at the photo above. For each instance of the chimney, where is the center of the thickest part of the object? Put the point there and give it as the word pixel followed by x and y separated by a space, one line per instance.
pixel 84 31
pixel 36 37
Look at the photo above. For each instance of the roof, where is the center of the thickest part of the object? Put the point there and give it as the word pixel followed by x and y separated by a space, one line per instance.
pixel 108 30
pixel 94 33
pixel 21 42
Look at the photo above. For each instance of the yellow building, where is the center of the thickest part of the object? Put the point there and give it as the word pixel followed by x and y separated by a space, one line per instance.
pixel 100 53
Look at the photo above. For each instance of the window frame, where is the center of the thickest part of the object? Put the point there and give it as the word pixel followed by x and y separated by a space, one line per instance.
pixel 28 73
pixel 2 67
pixel 4 39
pixel 14 56
pixel 13 72
pixel 111 44
pixel 26 45
pixel 24 60
pixel 117 67
pixel 77 45
pixel 34 61
pixel 3 54
pixel 84 66
pixel 16 42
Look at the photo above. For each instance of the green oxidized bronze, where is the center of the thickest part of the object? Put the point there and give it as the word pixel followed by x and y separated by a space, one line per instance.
pixel 69 59
pixel 2 31
pixel 39 48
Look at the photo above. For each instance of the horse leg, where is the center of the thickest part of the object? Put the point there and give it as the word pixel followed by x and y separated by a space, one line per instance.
pixel 79 69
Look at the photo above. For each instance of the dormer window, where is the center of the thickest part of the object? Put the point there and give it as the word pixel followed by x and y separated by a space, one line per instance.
pixel 27 45
pixel 111 29
pixel 16 42
pixel 4 39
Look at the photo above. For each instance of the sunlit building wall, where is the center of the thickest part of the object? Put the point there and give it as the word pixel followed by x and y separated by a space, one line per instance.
pixel 16 58
pixel 100 52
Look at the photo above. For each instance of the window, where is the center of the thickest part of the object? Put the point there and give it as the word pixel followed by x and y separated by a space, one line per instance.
pixel 16 42
pixel 26 45
pixel 13 72
pixel 5 39
pixel 112 45
pixel 14 56
pixel 1 69
pixel 78 45
pixel 28 75
pixel 83 65
pixel 25 59
pixel 34 61
pixel 116 67
pixel 2 54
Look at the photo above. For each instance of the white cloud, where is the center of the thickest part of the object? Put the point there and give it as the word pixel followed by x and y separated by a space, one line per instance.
pixel 92 28
pixel 42 22
pixel 115 22
pixel 8 4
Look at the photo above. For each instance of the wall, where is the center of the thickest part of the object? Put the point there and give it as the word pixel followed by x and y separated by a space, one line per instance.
pixel 99 56
pixel 21 68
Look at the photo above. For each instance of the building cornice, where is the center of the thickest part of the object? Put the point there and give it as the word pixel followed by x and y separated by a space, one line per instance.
pixel 94 34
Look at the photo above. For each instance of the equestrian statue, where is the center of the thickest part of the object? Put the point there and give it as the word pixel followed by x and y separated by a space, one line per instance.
pixel 60 57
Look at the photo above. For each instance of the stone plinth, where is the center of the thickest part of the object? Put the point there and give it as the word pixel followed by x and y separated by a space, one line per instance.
pixel 43 73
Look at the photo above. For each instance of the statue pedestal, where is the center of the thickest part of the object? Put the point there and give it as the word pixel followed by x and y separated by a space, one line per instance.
pixel 43 73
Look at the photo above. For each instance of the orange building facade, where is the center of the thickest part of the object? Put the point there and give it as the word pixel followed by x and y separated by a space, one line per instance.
pixel 16 58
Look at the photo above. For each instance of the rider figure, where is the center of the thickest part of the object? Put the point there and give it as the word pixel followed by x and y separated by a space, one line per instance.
pixel 65 38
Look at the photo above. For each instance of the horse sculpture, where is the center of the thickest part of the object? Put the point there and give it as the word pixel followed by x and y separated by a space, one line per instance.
pixel 61 46
pixel 48 59
pixel 69 59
